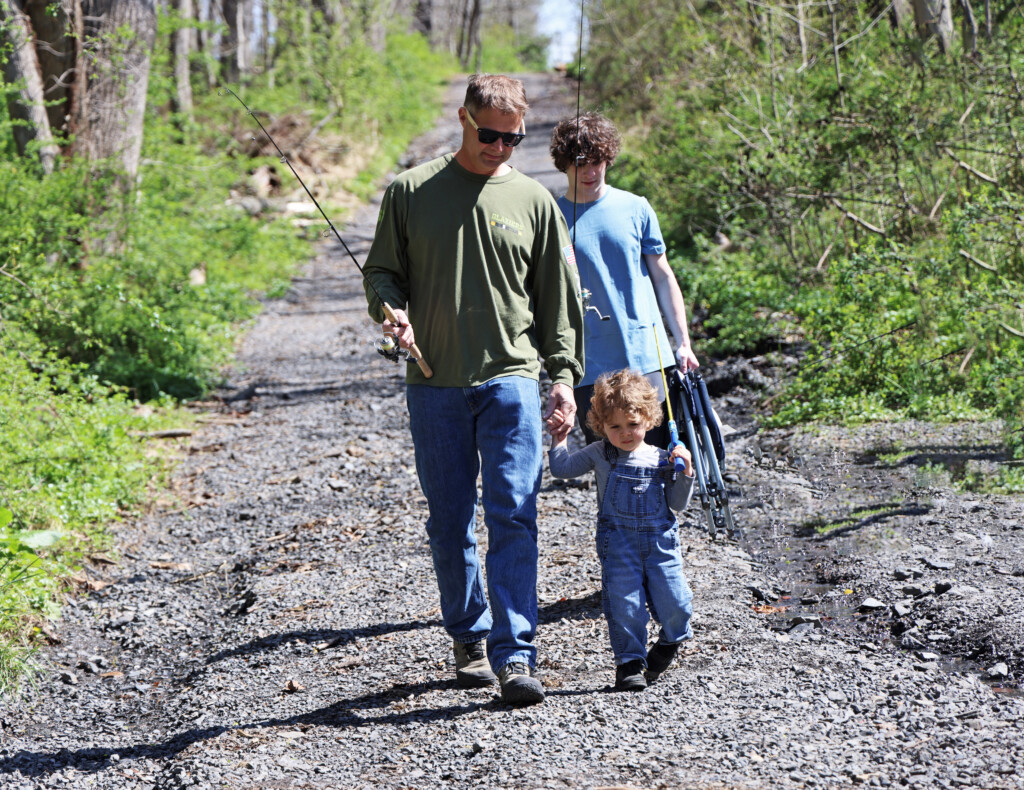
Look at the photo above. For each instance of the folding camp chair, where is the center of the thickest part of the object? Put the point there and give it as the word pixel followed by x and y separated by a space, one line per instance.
pixel 703 437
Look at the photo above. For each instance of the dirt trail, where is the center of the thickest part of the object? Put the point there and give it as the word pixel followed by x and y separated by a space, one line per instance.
pixel 276 626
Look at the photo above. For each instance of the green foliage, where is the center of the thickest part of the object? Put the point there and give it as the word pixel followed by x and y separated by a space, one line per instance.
pixel 125 309
pixel 502 51
pixel 920 331
pixel 108 297
pixel 388 95
pixel 741 299
pixel 69 467
pixel 408 103
pixel 867 235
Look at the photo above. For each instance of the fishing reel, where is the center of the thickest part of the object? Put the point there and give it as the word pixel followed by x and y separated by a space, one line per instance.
pixel 585 296
pixel 387 346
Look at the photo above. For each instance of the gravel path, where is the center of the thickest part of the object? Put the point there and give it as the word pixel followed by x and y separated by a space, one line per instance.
pixel 274 624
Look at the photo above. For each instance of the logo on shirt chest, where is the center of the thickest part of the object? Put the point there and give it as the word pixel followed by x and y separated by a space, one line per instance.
pixel 506 224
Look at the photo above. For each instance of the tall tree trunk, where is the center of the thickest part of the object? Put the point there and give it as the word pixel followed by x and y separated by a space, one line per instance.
pixel 935 18
pixel 469 34
pixel 423 18
pixel 206 39
pixel 55 49
pixel 117 80
pixel 181 48
pixel 79 94
pixel 268 55
pixel 236 52
pixel 902 15
pixel 462 47
pixel 22 68
pixel 475 38
pixel 801 29
pixel 969 29
pixel 229 61
pixel 246 26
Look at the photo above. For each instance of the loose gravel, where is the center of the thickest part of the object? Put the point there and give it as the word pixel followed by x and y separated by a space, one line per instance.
pixel 274 623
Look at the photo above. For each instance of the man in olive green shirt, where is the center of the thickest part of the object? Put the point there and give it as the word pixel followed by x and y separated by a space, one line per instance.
pixel 476 256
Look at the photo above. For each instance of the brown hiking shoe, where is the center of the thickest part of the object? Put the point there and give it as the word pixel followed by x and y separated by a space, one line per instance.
pixel 472 670
pixel 518 686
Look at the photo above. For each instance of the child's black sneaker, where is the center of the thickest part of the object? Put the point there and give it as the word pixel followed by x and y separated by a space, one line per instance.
pixel 659 658
pixel 630 676
pixel 471 668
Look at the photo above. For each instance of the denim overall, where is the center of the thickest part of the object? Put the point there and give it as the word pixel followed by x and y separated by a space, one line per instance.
pixel 638 545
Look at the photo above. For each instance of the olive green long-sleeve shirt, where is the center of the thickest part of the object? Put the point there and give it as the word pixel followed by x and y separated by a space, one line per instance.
pixel 485 270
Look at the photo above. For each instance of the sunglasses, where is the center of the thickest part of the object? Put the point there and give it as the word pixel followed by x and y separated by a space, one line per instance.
pixel 488 136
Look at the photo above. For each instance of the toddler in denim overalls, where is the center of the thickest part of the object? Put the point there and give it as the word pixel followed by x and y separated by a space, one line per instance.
pixel 637 538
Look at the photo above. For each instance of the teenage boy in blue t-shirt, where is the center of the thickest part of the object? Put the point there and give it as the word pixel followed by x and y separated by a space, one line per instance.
pixel 621 259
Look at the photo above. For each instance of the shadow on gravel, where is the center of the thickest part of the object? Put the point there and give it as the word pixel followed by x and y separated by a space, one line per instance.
pixel 822 529
pixel 327 637
pixel 316 290
pixel 587 607
pixel 344 714
pixel 928 455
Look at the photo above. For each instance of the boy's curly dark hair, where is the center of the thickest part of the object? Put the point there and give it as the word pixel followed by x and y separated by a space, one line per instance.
pixel 599 141
pixel 626 390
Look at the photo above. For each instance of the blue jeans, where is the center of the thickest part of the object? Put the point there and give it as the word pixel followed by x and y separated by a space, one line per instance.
pixel 638 545
pixel 459 432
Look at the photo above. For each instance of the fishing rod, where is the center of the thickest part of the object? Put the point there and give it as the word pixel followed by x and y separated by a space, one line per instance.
pixel 387 346
pixel 585 293
pixel 673 429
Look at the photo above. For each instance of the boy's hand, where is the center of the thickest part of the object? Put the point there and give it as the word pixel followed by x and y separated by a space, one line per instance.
pixel 558 426
pixel 681 452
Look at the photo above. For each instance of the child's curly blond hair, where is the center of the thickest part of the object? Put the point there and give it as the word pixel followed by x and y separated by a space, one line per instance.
pixel 626 390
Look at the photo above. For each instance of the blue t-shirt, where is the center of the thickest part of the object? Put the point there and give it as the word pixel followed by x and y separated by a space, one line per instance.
pixel 611 236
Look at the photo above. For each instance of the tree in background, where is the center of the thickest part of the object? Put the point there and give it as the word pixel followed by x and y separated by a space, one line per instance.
pixel 181 54
pixel 88 63
pixel 934 18
pixel 23 70
pixel 113 74
pixel 462 26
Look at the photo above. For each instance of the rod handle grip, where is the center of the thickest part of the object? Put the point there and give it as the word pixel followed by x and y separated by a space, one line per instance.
pixel 414 350
pixel 673 430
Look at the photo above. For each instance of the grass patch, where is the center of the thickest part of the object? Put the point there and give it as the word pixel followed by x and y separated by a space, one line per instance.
pixel 74 467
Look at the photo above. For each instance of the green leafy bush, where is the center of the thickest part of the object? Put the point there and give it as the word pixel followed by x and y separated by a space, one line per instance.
pixel 69 467
pixel 110 298
pixel 872 204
